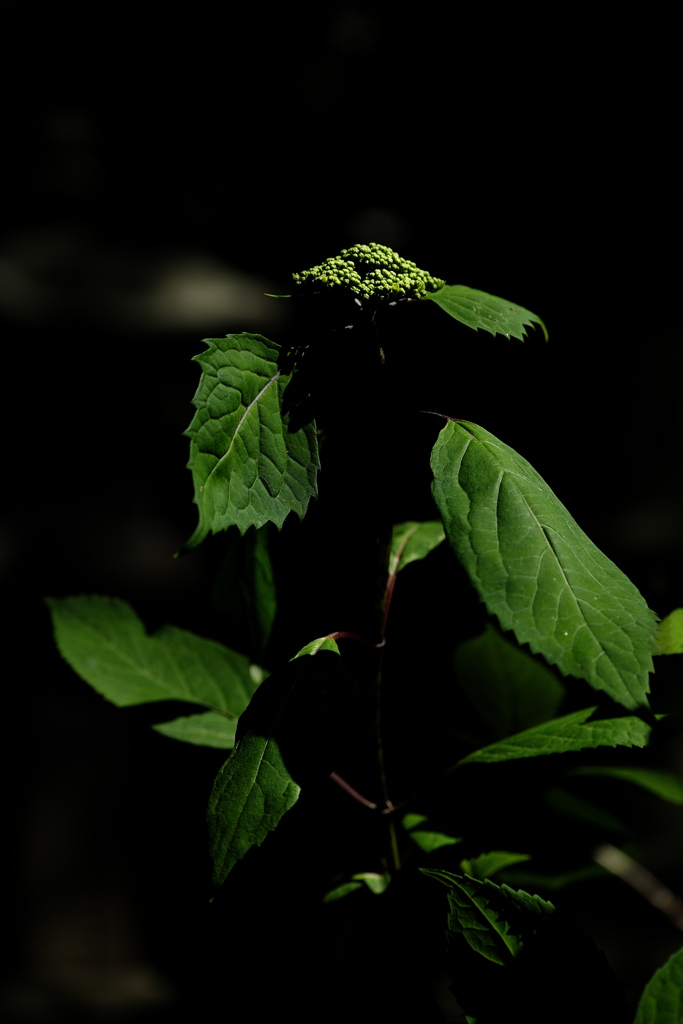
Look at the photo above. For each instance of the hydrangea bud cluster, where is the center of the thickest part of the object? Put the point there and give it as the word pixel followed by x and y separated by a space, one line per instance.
pixel 370 272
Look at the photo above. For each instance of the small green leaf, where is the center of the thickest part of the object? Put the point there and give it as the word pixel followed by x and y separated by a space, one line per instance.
pixel 340 891
pixel 480 310
pixel 670 633
pixel 662 1000
pixel 412 541
pixel 377 884
pixel 570 732
pixel 665 785
pixel 324 643
pixel 105 642
pixel 492 919
pixel 487 864
pixel 253 459
pixel 510 690
pixel 210 729
pixel 536 570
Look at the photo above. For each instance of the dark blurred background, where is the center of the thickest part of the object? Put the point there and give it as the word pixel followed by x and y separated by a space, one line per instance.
pixel 164 169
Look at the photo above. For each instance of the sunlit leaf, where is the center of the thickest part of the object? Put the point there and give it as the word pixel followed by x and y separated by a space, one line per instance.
pixel 670 633
pixel 536 570
pixel 412 541
pixel 662 1000
pixel 254 459
pixel 559 735
pixel 209 729
pixel 480 310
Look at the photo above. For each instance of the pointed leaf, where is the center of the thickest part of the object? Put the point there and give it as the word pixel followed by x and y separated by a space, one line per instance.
pixel 670 633
pixel 536 569
pixel 253 459
pixel 412 541
pixel 571 732
pixel 210 729
pixel 662 1000
pixel 480 310
pixel 514 956
pixel 291 732
pixel 492 919
pixel 426 839
pixel 105 642
pixel 510 689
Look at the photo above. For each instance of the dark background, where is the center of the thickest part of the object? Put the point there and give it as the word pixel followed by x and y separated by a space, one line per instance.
pixel 162 171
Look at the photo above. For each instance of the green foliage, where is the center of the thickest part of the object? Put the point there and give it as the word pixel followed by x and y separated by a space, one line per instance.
pixel 105 643
pixel 485 312
pixel 670 633
pixel 560 735
pixel 253 455
pixel 536 570
pixel 387 724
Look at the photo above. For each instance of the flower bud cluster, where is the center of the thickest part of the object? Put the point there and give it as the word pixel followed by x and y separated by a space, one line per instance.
pixel 368 272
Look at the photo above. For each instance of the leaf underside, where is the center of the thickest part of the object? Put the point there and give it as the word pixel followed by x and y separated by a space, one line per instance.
pixel 536 570
pixel 480 310
pixel 253 459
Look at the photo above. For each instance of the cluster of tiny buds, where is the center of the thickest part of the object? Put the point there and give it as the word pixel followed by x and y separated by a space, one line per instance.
pixel 370 271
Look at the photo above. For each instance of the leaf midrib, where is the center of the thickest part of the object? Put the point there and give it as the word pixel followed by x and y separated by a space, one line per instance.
pixel 246 412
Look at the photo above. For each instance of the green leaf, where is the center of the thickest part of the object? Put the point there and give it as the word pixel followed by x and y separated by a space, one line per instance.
pixel 323 643
pixel 662 1000
pixel 536 570
pixel 412 541
pixel 665 785
pixel 251 793
pixel 670 633
pixel 426 839
pixel 480 310
pixel 293 730
pixel 253 458
pixel 210 729
pixel 340 891
pixel 105 642
pixel 487 864
pixel 512 955
pixel 571 732
pixel 510 690
pixel 492 919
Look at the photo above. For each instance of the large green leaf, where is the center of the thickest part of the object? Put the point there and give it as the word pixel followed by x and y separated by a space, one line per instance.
pixel 480 310
pixel 509 688
pixel 291 732
pixel 536 569
pixel 662 1000
pixel 570 732
pixel 105 642
pixel 253 458
pixel 413 541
